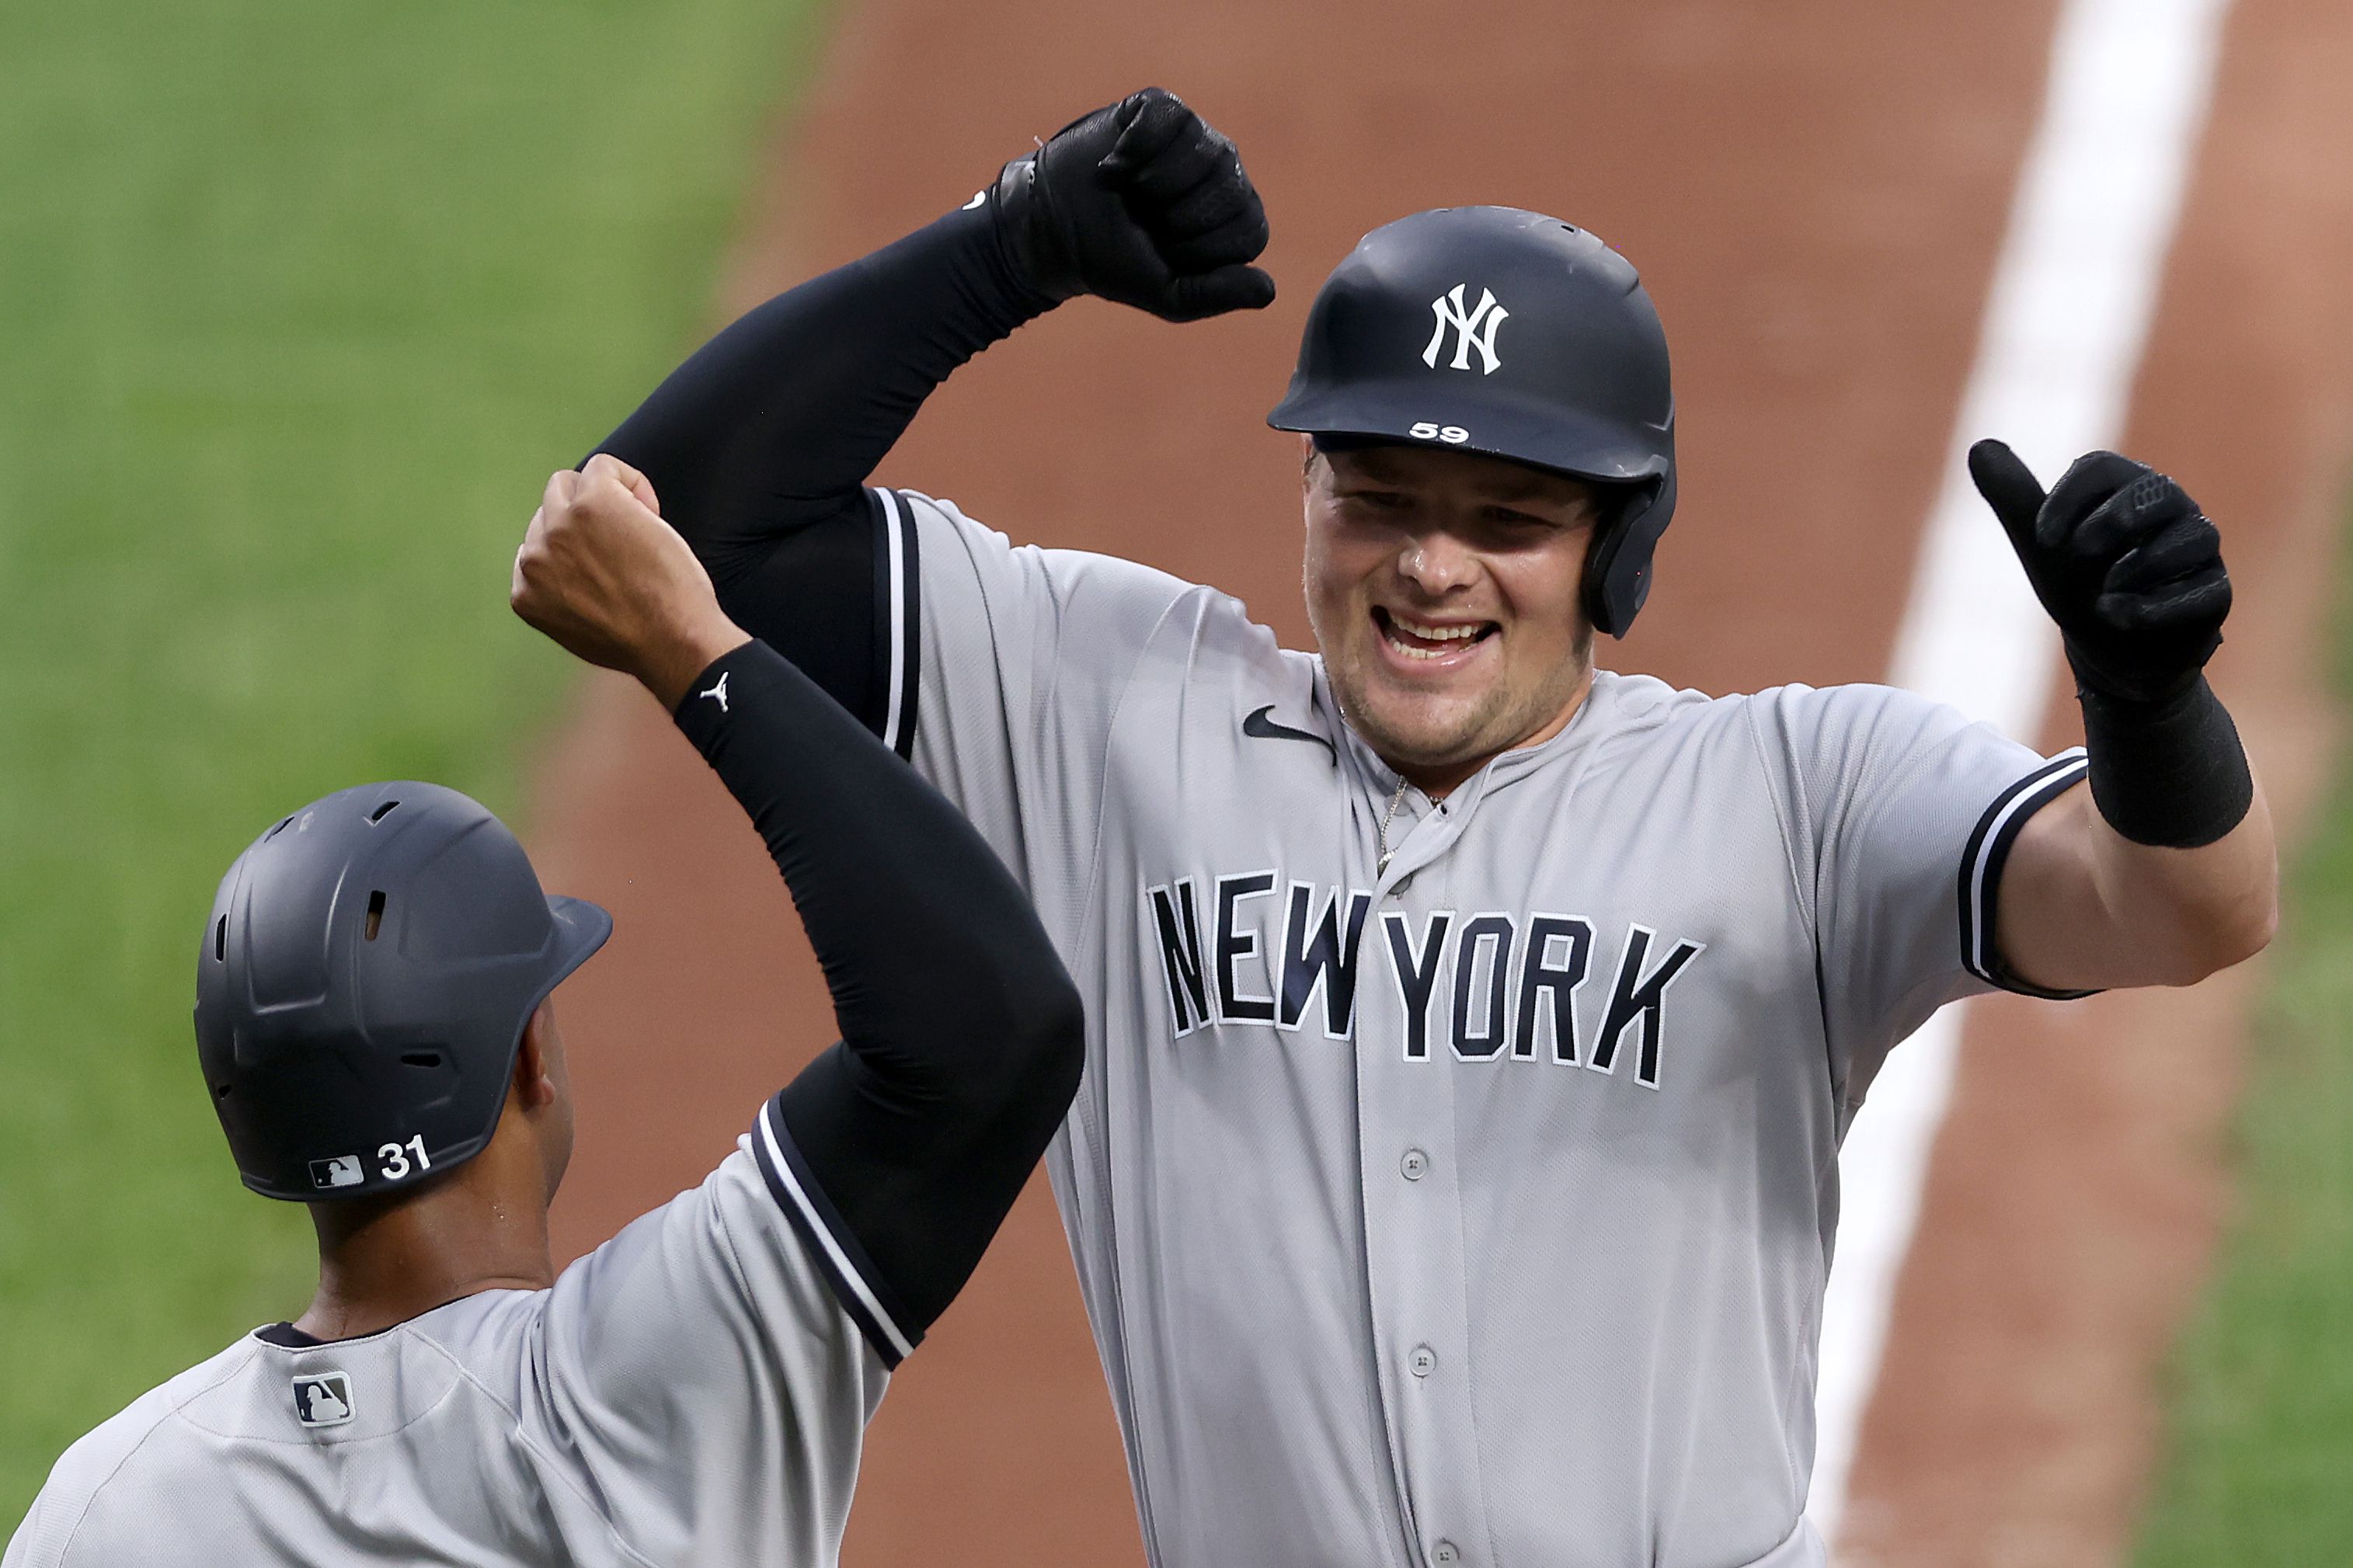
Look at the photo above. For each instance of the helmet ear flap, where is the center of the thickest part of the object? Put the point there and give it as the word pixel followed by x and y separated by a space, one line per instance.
pixel 1618 563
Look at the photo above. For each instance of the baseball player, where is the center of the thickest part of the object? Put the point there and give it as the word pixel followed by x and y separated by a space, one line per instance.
pixel 374 1029
pixel 1471 1031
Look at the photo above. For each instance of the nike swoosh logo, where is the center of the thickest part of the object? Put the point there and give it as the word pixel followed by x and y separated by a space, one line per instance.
pixel 1258 726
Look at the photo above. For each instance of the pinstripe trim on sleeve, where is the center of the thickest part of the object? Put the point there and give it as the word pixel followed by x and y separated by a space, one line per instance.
pixel 1982 865
pixel 869 1303
pixel 897 623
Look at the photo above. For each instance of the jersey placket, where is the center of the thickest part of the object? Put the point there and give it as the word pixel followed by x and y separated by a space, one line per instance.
pixel 1409 1157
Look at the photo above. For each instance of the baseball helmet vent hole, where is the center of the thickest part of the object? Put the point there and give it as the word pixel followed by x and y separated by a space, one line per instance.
pixel 381 812
pixel 421 1059
pixel 221 938
pixel 277 830
pixel 220 1091
pixel 375 912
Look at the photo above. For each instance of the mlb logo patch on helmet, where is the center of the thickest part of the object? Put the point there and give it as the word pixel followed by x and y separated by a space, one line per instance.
pixel 322 1399
pixel 343 1171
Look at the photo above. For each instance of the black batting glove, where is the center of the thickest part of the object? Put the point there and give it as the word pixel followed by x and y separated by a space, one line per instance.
pixel 1143 203
pixel 2122 560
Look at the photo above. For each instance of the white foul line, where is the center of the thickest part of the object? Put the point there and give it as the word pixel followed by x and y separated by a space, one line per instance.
pixel 2090 226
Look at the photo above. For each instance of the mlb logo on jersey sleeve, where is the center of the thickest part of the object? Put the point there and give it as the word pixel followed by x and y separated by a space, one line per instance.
pixel 343 1171
pixel 322 1399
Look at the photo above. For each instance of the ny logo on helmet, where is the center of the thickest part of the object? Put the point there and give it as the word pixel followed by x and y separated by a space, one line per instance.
pixel 1473 329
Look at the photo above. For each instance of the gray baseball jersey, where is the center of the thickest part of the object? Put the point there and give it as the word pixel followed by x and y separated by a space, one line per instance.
pixel 693 1392
pixel 1476 1209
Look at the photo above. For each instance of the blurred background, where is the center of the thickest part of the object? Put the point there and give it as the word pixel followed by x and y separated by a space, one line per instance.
pixel 299 306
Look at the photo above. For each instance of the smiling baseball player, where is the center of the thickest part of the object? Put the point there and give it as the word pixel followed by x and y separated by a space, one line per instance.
pixel 373 1025
pixel 1471 1031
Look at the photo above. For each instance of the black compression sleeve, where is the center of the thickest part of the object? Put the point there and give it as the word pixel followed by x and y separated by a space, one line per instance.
pixel 775 423
pixel 961 1032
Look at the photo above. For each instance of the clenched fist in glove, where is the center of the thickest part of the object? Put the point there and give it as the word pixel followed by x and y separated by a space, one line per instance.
pixel 2124 562
pixel 1143 203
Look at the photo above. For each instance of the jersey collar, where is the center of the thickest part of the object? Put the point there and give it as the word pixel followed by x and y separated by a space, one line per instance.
pixel 1507 766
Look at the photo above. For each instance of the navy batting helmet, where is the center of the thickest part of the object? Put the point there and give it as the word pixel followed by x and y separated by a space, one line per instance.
pixel 1506 332
pixel 366 974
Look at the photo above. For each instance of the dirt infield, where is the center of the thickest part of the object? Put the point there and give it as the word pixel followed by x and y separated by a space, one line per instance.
pixel 1815 201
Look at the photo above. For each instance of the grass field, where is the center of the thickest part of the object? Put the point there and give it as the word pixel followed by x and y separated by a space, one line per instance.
pixel 2261 1386
pixel 298 303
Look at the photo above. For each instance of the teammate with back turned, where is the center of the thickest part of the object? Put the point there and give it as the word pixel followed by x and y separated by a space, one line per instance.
pixel 374 1024
pixel 1471 1031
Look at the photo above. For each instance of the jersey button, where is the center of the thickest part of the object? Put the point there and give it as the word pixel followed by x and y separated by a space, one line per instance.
pixel 1445 1551
pixel 1415 1165
pixel 1423 1362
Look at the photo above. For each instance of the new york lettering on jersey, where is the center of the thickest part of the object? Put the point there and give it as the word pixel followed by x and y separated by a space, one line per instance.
pixel 1486 986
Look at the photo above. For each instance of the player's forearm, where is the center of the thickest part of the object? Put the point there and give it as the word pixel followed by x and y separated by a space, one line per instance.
pixel 2190 911
pixel 776 422
pixel 2083 907
pixel 933 955
pixel 2182 856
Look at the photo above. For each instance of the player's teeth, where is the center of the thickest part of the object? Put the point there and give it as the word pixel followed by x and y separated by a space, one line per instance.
pixel 1435 634
pixel 1414 650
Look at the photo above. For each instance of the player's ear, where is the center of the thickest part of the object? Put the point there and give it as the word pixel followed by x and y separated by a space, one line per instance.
pixel 536 1066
